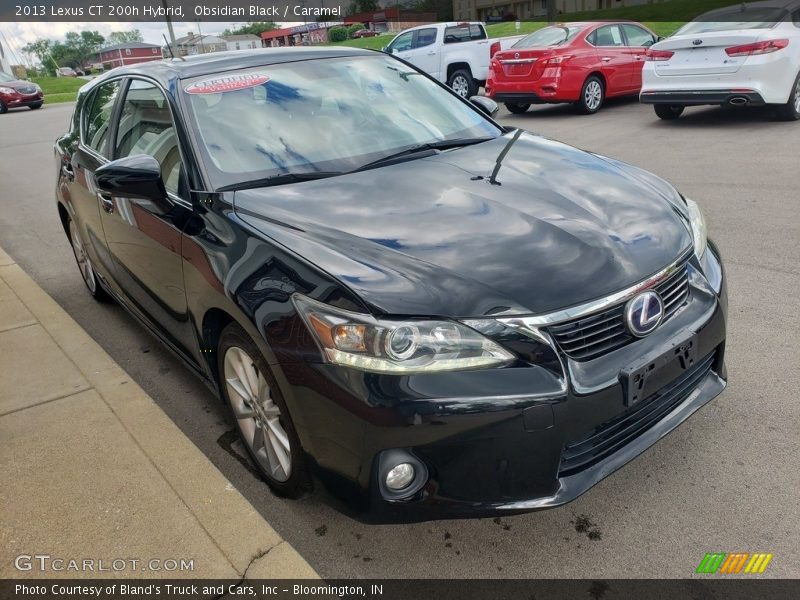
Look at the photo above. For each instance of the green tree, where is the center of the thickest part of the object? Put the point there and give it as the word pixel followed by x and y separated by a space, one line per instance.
pixel 255 28
pixel 360 6
pixel 41 49
pixel 124 37
pixel 79 47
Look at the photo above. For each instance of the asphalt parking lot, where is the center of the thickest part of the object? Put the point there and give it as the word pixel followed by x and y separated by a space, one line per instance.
pixel 727 480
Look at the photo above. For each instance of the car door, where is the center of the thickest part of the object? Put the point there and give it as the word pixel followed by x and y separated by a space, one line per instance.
pixel 77 174
pixel 144 235
pixel 638 40
pixel 423 54
pixel 614 60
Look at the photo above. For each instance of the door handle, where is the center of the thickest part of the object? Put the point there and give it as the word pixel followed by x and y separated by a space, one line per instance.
pixel 106 201
pixel 638 57
pixel 66 171
pixel 432 53
pixel 606 59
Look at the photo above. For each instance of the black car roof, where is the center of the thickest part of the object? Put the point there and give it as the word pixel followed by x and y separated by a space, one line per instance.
pixel 169 70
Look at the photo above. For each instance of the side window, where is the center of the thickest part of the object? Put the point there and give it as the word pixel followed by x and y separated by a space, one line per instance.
pixel 476 32
pixel 457 34
pixel 425 37
pixel 609 35
pixel 638 37
pixel 145 127
pixel 403 42
pixel 97 117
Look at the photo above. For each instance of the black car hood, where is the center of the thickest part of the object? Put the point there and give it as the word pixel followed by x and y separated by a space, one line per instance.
pixel 433 236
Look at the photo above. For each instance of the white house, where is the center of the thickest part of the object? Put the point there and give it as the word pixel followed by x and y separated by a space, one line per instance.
pixel 242 42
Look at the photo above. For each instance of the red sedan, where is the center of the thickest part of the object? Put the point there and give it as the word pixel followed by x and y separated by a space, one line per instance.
pixel 582 63
pixel 15 93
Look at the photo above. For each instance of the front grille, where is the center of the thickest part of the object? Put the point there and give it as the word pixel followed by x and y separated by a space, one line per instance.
pixel 613 435
pixel 593 336
pixel 26 90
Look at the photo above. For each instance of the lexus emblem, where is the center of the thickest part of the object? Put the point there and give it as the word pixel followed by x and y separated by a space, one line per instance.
pixel 697 42
pixel 516 54
pixel 644 313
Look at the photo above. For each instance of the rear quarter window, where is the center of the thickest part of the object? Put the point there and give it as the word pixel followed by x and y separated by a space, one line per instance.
pixel 463 33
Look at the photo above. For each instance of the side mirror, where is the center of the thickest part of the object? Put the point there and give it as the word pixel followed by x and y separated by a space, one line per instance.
pixel 136 176
pixel 387 50
pixel 486 105
pixel 660 38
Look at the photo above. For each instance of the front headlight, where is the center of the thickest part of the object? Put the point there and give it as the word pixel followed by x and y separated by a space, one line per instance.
pixel 699 230
pixel 397 346
pixel 6 90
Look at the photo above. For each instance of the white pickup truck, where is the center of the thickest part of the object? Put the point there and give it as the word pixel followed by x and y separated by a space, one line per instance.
pixel 454 53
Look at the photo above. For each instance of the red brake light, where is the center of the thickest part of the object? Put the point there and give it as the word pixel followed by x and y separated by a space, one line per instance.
pixel 494 49
pixel 557 60
pixel 765 47
pixel 658 55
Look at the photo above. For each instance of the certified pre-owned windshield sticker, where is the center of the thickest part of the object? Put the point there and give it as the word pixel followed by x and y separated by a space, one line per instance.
pixel 226 84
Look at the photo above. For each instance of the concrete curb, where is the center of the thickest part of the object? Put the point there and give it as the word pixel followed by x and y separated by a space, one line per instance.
pixel 234 527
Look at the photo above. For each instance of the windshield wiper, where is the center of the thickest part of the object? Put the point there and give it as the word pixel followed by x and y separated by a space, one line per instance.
pixel 279 179
pixel 428 149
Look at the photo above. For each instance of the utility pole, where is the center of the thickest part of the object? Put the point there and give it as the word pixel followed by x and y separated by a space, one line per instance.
pixel 169 23
pixel 552 11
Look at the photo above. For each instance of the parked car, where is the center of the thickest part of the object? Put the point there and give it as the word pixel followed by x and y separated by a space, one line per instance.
pixel 16 93
pixel 365 33
pixel 454 53
pixel 403 302
pixel 581 63
pixel 743 55
pixel 66 72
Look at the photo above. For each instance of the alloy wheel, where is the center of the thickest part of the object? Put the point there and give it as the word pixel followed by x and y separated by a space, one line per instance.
pixel 797 97
pixel 87 272
pixel 460 86
pixel 593 95
pixel 257 414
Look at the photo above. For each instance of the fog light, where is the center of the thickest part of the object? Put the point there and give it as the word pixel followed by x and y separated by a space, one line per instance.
pixel 400 477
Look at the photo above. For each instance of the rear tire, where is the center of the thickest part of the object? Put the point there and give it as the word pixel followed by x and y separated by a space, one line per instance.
pixel 85 265
pixel 517 109
pixel 260 414
pixel 669 112
pixel 462 83
pixel 791 110
pixel 593 94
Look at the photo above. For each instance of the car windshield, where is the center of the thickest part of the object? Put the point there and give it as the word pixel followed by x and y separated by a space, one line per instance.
pixel 4 77
pixel 732 19
pixel 321 116
pixel 549 36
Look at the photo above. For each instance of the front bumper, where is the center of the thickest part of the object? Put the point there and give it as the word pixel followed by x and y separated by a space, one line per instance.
pixel 502 441
pixel 22 100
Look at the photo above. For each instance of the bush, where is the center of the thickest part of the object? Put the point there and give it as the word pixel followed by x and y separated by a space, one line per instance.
pixel 337 34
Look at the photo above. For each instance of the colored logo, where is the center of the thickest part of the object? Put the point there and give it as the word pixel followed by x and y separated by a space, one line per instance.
pixel 644 313
pixel 734 563
pixel 228 83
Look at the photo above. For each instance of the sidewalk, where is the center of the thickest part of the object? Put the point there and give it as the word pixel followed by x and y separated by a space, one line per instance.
pixel 91 468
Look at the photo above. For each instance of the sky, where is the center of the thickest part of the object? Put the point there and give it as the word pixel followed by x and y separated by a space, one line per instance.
pixel 18 35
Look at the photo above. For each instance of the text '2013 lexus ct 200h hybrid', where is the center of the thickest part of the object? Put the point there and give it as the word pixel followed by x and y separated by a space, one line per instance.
pixel 406 305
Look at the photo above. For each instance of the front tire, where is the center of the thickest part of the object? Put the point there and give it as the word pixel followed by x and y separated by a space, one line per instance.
pixel 791 110
pixel 85 265
pixel 3 108
pixel 668 112
pixel 36 106
pixel 593 95
pixel 462 83
pixel 260 413
pixel 517 109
